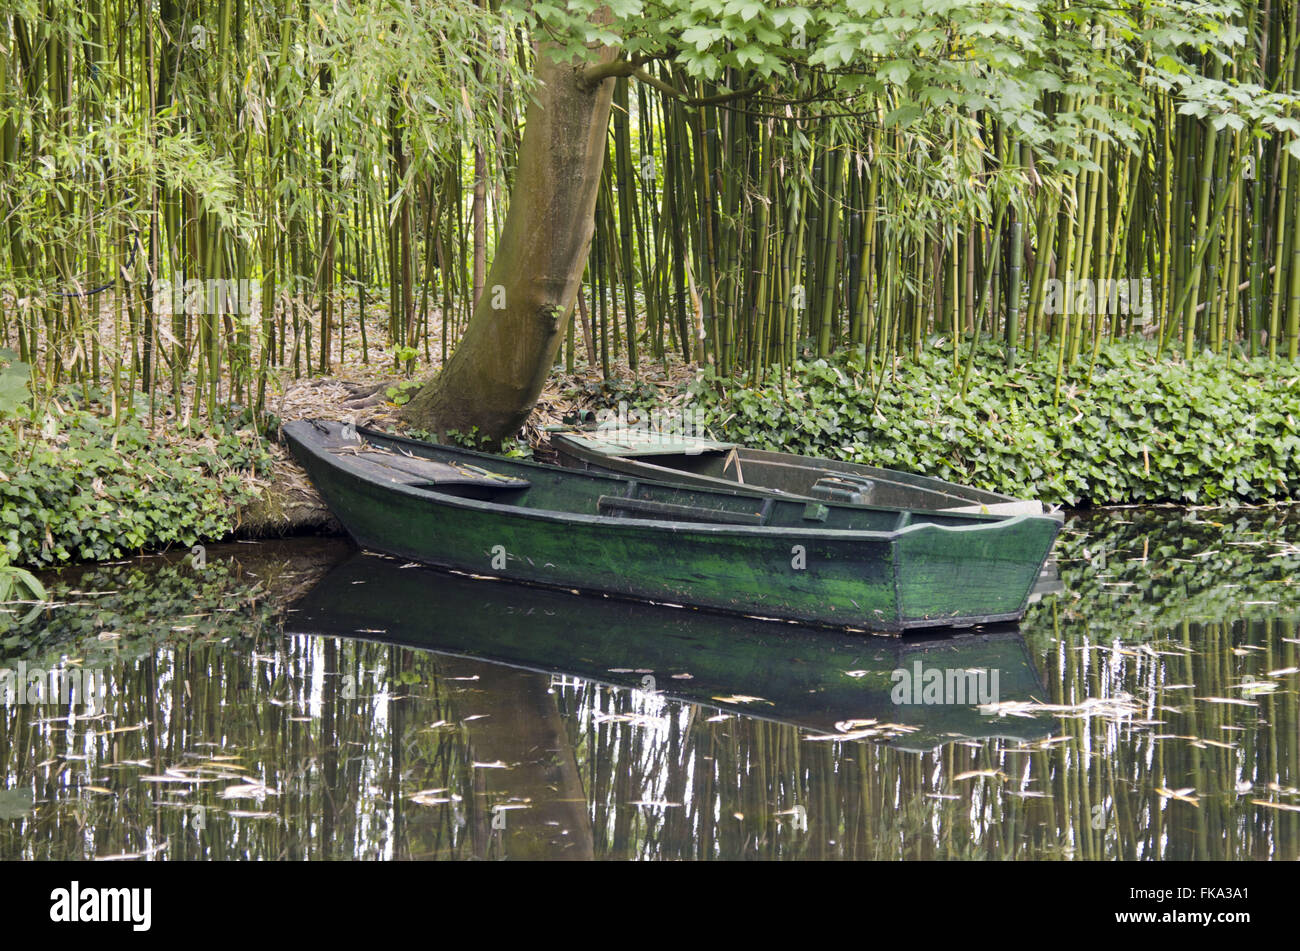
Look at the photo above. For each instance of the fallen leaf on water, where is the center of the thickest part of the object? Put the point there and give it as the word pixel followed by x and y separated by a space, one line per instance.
pixel 844 726
pixel 247 791
pixel 433 797
pixel 1121 705
pixel 635 719
pixel 1182 795
pixel 1258 686
pixel 177 779
pixel 120 729
pixel 971 774
pixel 743 698
pixel 1276 805
pixel 127 856
pixel 1232 700
pixel 877 731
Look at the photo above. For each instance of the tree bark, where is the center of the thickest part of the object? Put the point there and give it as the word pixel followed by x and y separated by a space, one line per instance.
pixel 499 367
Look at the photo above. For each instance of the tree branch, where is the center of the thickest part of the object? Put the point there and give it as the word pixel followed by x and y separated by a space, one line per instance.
pixel 676 93
pixel 634 67
pixel 594 75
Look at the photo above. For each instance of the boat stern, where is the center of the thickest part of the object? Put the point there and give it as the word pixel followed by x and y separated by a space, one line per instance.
pixel 970 574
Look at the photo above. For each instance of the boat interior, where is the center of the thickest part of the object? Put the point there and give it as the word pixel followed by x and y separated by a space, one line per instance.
pixel 461 473
pixel 828 479
pixel 743 467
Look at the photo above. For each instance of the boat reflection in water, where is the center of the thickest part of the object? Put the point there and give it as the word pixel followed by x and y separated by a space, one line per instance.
pixel 912 692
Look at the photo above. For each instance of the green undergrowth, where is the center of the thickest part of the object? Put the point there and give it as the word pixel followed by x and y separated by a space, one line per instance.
pixel 75 487
pixel 1133 429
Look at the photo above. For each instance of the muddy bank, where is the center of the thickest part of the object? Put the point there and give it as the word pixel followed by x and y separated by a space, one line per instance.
pixel 288 505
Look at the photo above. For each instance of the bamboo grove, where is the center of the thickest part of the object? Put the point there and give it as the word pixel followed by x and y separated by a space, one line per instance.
pixel 351 164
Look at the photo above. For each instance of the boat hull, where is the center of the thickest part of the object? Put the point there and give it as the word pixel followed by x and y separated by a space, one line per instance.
pixel 920 576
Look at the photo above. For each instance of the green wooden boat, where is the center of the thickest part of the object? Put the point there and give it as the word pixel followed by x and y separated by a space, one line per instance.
pixel 708 463
pixel 813 678
pixel 862 567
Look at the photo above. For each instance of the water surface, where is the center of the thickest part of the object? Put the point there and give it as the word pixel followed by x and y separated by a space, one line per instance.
pixel 301 700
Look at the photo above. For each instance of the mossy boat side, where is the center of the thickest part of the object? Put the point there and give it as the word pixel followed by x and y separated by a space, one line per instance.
pixel 870 568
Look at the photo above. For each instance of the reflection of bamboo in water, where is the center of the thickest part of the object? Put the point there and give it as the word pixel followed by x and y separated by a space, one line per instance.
pixel 343 763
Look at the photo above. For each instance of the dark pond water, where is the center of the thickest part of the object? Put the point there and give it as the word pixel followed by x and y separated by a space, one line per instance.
pixel 301 700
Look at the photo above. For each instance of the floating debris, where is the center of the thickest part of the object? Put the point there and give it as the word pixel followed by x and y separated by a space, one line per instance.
pixel 977 773
pixel 1276 805
pixel 130 856
pixel 1120 705
pixel 248 791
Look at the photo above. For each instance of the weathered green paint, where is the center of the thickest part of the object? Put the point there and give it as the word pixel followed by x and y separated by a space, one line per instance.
pixel 809 677
pixel 858 568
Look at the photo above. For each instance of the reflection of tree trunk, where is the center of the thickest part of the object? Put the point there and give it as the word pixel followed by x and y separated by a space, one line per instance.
pixel 500 365
pixel 520 726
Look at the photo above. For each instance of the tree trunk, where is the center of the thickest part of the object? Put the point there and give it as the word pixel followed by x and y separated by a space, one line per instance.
pixel 499 367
